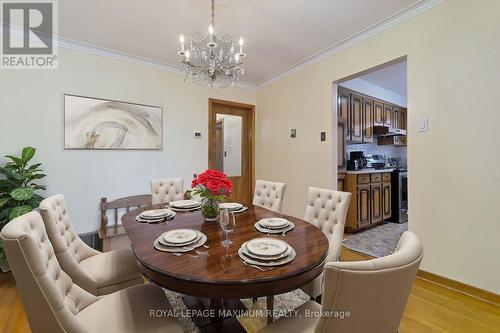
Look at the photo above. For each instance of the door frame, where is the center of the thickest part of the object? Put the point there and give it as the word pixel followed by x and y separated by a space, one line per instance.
pixel 251 129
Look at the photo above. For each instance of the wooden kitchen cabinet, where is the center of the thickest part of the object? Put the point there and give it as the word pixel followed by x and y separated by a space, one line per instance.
pixel 378 113
pixel 386 199
pixel 367 120
pixel 396 118
pixel 341 182
pixel 388 115
pixel 371 199
pixel 356 119
pixel 341 152
pixel 344 100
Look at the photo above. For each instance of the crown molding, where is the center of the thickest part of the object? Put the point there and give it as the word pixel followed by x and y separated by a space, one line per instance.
pixel 369 32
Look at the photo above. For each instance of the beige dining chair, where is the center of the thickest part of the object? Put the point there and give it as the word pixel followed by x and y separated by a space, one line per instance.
pixel 53 303
pixel 360 296
pixel 327 210
pixel 269 195
pixel 98 273
pixel 166 190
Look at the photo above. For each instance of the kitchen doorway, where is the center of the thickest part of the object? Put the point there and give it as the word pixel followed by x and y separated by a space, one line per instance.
pixel 231 144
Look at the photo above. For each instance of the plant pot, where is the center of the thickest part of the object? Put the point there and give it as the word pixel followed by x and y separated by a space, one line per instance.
pixel 210 209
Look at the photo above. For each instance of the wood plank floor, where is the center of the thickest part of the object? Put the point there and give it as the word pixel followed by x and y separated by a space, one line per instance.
pixel 430 308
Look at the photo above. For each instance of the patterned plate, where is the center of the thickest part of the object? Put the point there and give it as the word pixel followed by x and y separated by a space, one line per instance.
pixel 177 249
pixel 266 246
pixel 278 262
pixel 267 258
pixel 231 206
pixel 186 204
pixel 273 231
pixel 274 223
pixel 180 236
pixel 156 214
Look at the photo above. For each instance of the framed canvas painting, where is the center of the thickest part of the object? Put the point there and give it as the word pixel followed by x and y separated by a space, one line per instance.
pixel 93 123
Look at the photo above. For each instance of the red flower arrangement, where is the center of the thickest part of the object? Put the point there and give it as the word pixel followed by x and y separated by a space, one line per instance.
pixel 212 183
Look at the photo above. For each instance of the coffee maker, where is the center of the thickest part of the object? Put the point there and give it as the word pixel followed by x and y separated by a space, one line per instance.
pixel 357 160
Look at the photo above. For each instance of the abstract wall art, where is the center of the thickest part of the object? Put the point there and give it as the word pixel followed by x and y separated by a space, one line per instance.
pixel 93 123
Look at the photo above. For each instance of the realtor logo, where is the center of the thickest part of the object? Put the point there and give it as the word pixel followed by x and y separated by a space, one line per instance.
pixel 29 30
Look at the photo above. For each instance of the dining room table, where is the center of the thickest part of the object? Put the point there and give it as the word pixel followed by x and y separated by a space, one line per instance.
pixel 213 276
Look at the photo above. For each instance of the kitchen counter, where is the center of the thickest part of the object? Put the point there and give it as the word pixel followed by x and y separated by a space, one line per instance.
pixel 363 171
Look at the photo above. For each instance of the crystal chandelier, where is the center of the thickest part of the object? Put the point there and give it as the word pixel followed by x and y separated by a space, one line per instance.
pixel 210 59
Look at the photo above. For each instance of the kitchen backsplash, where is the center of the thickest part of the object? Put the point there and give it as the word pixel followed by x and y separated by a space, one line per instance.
pixel 398 152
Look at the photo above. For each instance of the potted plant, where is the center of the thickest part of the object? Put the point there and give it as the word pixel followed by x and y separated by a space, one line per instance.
pixel 213 187
pixel 17 190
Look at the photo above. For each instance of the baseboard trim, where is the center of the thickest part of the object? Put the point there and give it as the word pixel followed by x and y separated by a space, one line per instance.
pixel 483 295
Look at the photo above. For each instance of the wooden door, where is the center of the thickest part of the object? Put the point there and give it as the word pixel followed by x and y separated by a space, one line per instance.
pixel 341 152
pixel 363 201
pixel 386 199
pixel 367 120
pixel 376 202
pixel 388 115
pixel 378 113
pixel 356 119
pixel 343 104
pixel 238 145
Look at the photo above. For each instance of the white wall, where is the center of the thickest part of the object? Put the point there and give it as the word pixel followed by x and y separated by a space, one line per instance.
pixel 374 90
pixel 31 109
pixel 453 54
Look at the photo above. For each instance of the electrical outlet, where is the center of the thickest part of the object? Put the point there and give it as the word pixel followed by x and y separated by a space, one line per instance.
pixel 323 136
pixel 197 135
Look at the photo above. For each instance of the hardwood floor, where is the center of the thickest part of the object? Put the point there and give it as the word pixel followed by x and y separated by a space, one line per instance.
pixel 430 308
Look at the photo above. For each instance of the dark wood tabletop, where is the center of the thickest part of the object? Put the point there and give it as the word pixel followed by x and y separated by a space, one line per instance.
pixel 212 272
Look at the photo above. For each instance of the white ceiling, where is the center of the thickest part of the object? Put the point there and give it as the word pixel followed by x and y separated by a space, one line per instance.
pixel 278 33
pixel 392 77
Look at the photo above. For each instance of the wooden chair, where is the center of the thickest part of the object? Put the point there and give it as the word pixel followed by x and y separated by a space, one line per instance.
pixel 114 237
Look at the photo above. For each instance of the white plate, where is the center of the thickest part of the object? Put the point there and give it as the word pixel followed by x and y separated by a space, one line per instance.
pixel 241 210
pixel 230 206
pixel 180 236
pixel 185 209
pixel 156 214
pixel 273 231
pixel 176 249
pixel 266 246
pixel 274 222
pixel 267 258
pixel 164 242
pixel 278 262
pixel 184 204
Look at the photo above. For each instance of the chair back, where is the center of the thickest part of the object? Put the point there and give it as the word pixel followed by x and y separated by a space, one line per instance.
pixel 120 206
pixel 166 190
pixel 327 210
pixel 269 195
pixel 49 296
pixel 68 246
pixel 374 291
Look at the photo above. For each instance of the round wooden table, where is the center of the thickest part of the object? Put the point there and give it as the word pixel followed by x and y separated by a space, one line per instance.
pixel 217 273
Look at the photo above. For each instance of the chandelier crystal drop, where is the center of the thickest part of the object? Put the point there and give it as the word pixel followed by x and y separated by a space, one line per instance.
pixel 211 59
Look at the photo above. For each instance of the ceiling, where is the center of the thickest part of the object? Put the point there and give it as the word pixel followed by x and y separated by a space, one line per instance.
pixel 278 33
pixel 392 77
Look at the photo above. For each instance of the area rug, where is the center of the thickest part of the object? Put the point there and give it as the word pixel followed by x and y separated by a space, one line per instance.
pixel 378 241
pixel 252 320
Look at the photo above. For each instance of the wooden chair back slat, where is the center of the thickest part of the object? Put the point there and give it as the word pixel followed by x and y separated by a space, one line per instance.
pixel 126 203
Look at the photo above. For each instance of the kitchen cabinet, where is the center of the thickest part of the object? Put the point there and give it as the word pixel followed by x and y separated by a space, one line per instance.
pixel 344 100
pixel 378 113
pixel 341 152
pixel 367 120
pixel 341 182
pixel 356 119
pixel 396 118
pixel 398 140
pixel 388 115
pixel 371 199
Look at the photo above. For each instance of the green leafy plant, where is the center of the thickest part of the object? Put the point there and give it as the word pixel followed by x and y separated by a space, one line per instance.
pixel 17 188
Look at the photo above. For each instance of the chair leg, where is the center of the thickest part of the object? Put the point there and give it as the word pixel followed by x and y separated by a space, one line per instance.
pixel 270 308
pixel 318 299
pixel 254 300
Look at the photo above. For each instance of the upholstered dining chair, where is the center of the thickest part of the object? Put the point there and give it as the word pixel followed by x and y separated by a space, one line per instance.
pixel 360 296
pixel 98 273
pixel 166 190
pixel 53 303
pixel 327 210
pixel 269 195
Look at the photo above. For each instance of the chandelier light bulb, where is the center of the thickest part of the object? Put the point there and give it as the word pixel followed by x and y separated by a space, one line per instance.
pixel 181 39
pixel 188 54
pixel 241 41
pixel 211 29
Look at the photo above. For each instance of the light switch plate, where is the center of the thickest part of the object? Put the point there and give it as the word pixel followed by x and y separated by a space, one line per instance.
pixel 323 136
pixel 293 133
pixel 423 125
pixel 197 135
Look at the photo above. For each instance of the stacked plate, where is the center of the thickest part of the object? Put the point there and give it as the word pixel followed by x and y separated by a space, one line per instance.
pixel 155 216
pixel 185 205
pixel 274 225
pixel 233 207
pixel 266 252
pixel 180 240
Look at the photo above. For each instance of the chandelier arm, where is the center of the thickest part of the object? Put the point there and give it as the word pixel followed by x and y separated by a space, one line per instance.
pixel 212 18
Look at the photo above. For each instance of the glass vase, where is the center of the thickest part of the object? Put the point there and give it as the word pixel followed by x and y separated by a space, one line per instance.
pixel 210 209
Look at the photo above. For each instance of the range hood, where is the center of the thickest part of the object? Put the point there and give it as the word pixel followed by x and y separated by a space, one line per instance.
pixel 387 131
